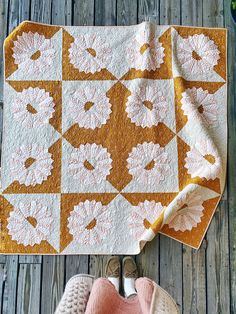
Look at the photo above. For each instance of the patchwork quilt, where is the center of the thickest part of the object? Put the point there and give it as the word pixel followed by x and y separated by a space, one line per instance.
pixel 111 135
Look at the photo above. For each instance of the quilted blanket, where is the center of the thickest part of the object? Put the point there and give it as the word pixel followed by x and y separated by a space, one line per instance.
pixel 111 135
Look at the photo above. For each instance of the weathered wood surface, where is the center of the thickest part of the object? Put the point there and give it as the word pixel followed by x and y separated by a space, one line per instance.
pixel 201 281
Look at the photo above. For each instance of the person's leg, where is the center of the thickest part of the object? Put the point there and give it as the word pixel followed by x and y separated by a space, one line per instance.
pixel 130 274
pixel 113 271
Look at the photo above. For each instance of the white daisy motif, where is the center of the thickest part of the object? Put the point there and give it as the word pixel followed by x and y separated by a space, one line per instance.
pixel 33 107
pixel 146 106
pixel 200 104
pixel 89 222
pixel 143 216
pixel 90 108
pixel 148 163
pixel 90 53
pixel 197 53
pixel 189 213
pixel 203 161
pixel 145 53
pixel 90 164
pixel 33 53
pixel 31 164
pixel 30 223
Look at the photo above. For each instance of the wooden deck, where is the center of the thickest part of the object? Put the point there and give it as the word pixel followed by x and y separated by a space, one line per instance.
pixel 201 281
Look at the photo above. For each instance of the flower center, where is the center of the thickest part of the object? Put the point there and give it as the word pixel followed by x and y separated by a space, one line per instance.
pixel 200 109
pixel 88 105
pixel 32 221
pixel 35 55
pixel 146 223
pixel 150 165
pixel 196 56
pixel 210 158
pixel 31 109
pixel 29 161
pixel 88 165
pixel 148 104
pixel 92 52
pixel 144 48
pixel 184 206
pixel 92 224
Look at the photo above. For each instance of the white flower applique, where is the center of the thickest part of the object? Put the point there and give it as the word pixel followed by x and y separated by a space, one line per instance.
pixel 30 223
pixel 89 222
pixel 33 107
pixel 203 161
pixel 89 107
pixel 33 53
pixel 31 164
pixel 143 216
pixel 148 163
pixel 200 104
pixel 189 213
pixel 146 106
pixel 197 53
pixel 90 53
pixel 90 164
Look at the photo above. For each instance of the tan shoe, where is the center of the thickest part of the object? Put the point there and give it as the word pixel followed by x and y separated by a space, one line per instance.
pixel 129 275
pixel 112 268
pixel 130 269
pixel 113 271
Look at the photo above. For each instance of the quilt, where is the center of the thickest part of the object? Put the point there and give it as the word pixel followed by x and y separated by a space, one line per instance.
pixel 111 135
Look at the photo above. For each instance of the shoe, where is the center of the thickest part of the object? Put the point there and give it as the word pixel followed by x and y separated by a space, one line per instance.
pixel 129 275
pixel 113 271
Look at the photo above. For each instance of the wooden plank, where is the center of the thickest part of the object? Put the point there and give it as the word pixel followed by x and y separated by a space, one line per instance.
pixel 194 280
pixel 10 290
pixel 18 12
pixel 170 12
pixel 28 289
pixel 218 293
pixel 83 12
pixel 1 128
pixel 105 12
pixel 2 284
pixel 3 34
pixel 2 259
pixel 127 12
pixel 97 264
pixel 171 268
pixel 171 250
pixel 24 10
pixel 218 284
pixel 76 264
pixel 148 260
pixel 191 12
pixel 194 262
pixel 30 259
pixel 231 151
pixel 148 10
pixel 53 269
pixel 41 11
pixel 213 13
pixel 62 12
pixel 13 18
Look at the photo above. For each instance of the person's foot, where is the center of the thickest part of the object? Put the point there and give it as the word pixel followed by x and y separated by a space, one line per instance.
pixel 113 271
pixel 130 274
